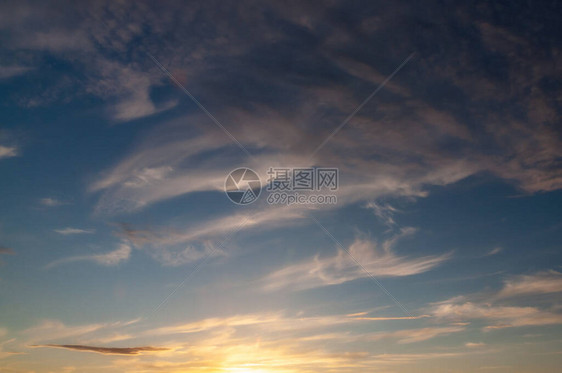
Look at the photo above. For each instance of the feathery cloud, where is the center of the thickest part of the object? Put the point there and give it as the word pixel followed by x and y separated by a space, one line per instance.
pixel 499 316
pixel 111 258
pixel 48 330
pixel 384 212
pixel 539 283
pixel 272 322
pixel 181 246
pixel 53 330
pixel 340 268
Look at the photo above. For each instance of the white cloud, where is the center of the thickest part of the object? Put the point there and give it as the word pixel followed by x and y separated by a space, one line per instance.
pixel 498 316
pixel 190 253
pixel 48 330
pixel 340 268
pixel 494 251
pixel 8 151
pixel 474 344
pixel 126 87
pixel 277 322
pixel 112 258
pixel 539 283
pixel 69 231
pixel 526 152
pixel 384 212
pixel 51 202
pixel 154 173
pixel 178 247
pixel 129 88
pixel 51 330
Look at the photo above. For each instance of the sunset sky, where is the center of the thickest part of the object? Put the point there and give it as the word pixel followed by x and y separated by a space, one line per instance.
pixel 121 252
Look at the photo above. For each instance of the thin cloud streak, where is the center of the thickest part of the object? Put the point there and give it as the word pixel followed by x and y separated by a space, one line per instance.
pixel 108 350
pixel 540 283
pixel 178 247
pixel 271 322
pixel 499 316
pixel 494 251
pixel 53 330
pixel 51 202
pixel 71 231
pixel 112 258
pixel 418 335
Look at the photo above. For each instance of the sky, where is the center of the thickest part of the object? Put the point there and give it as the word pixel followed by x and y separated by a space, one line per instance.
pixel 436 250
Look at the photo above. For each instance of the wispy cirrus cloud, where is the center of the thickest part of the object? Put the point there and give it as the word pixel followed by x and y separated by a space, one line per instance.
pixel 418 335
pixel 377 259
pixel 70 231
pixel 445 145
pixel 153 172
pixel 384 211
pixel 497 316
pixel 4 352
pixel 297 339
pixel 507 308
pixel 124 86
pixel 539 283
pixel 494 251
pixel 53 330
pixel 277 322
pixel 229 341
pixel 111 258
pixel 129 87
pixel 450 150
pixel 174 247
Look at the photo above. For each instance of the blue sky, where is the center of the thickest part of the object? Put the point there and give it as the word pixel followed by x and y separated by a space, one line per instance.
pixel 121 252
